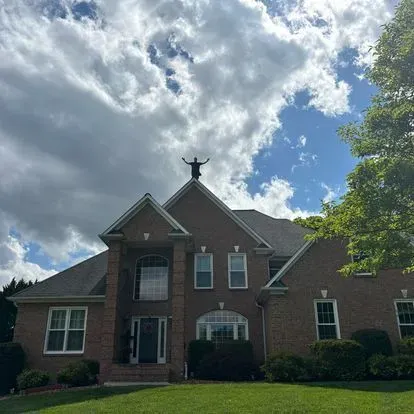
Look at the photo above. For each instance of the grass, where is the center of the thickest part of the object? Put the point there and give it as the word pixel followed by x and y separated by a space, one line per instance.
pixel 357 397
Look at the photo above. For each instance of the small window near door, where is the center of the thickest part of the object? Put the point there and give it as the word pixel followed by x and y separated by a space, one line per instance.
pixel 326 315
pixel 203 271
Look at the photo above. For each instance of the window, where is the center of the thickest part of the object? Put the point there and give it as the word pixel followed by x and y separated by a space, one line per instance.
pixel 237 271
pixel 203 271
pixel 66 330
pixel 151 278
pixel 405 317
pixel 222 326
pixel 275 264
pixel 326 315
pixel 357 258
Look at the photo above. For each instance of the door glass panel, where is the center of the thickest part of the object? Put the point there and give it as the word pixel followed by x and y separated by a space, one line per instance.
pixel 162 338
pixel 148 341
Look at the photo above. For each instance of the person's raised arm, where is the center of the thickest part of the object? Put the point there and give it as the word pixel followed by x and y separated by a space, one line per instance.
pixel 185 160
pixel 206 161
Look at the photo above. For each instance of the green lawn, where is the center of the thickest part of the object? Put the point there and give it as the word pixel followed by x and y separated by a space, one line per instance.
pixel 357 397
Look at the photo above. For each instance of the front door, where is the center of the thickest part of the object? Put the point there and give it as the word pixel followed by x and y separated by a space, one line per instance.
pixel 148 340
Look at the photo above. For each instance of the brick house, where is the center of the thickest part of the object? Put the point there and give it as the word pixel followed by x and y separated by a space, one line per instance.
pixel 193 268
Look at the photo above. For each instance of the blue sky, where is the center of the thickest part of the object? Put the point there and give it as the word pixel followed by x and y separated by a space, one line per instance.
pixel 100 100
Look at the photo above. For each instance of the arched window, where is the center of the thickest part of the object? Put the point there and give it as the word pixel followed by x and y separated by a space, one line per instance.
pixel 221 326
pixel 151 278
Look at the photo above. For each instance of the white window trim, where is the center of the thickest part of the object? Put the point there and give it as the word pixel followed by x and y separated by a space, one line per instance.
pixel 235 330
pixel 211 271
pixel 396 313
pixel 68 310
pixel 135 299
pixel 161 319
pixel 245 270
pixel 335 309
pixel 360 273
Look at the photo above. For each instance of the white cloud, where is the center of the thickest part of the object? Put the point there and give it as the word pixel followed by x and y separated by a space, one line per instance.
pixel 94 113
pixel 306 159
pixel 331 193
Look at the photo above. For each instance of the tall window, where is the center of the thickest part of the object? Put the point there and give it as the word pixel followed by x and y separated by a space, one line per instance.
pixel 66 330
pixel 405 317
pixel 203 271
pixel 237 271
pixel 326 315
pixel 222 326
pixel 151 278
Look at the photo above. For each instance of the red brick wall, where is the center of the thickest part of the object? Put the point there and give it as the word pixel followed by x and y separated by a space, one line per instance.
pixel 212 228
pixel 362 302
pixel 30 331
pixel 147 221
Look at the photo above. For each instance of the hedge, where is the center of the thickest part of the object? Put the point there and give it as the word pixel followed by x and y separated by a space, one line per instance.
pixel 32 378
pixel 197 350
pixel 77 374
pixel 11 365
pixel 284 366
pixel 339 359
pixel 395 367
pixel 233 361
pixel 374 341
pixel 406 346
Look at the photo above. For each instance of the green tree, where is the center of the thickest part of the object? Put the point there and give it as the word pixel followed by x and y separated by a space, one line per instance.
pixel 377 211
pixel 311 222
pixel 8 310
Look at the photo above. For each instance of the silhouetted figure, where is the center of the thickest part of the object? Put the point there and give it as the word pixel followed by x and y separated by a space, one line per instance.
pixel 195 167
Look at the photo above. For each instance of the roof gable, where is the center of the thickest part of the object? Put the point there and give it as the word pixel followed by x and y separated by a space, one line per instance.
pixel 241 223
pixel 136 208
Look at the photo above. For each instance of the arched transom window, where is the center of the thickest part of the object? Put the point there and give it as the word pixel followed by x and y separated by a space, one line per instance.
pixel 221 326
pixel 151 278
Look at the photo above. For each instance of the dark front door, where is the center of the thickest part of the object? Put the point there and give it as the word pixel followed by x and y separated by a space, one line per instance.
pixel 148 340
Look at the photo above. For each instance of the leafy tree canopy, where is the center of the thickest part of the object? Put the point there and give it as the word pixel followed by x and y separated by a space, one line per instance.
pixel 377 212
pixel 8 310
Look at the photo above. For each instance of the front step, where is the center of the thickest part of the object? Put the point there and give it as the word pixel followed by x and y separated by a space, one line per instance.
pixel 139 373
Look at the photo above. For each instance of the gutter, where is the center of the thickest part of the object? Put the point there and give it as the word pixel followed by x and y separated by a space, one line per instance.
pixel 263 330
pixel 48 299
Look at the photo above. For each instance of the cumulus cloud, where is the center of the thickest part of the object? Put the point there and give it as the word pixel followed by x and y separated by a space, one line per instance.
pixel 99 101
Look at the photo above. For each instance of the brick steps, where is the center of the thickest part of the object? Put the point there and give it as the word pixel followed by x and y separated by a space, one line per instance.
pixel 139 373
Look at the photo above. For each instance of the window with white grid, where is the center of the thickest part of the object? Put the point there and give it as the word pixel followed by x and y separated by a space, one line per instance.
pixel 222 326
pixel 203 271
pixel 151 278
pixel 326 315
pixel 405 317
pixel 237 270
pixel 66 330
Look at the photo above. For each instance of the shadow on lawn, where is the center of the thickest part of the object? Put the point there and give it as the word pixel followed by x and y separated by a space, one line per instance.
pixel 21 404
pixel 371 386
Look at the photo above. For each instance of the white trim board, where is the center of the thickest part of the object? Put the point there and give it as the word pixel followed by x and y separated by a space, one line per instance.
pixel 193 182
pixel 289 264
pixel 139 205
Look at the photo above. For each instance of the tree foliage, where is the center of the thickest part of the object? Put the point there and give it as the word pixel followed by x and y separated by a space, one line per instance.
pixel 377 212
pixel 8 310
pixel 311 222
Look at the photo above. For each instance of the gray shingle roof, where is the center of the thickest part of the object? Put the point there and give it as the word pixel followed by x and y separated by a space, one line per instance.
pixel 84 279
pixel 283 235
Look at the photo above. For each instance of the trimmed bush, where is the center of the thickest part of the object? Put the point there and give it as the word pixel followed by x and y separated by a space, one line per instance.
pixel 93 366
pixel 284 366
pixel 76 374
pixel 11 365
pixel 233 361
pixel 339 359
pixel 406 346
pixel 405 366
pixel 382 367
pixel 374 341
pixel 197 350
pixel 32 378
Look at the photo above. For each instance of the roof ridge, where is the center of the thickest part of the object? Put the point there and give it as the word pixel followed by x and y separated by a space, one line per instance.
pixel 267 215
pixel 58 273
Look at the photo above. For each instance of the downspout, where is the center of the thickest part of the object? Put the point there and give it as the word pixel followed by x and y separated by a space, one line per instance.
pixel 263 329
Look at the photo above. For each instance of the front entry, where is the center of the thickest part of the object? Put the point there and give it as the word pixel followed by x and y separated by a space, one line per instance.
pixel 148 340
